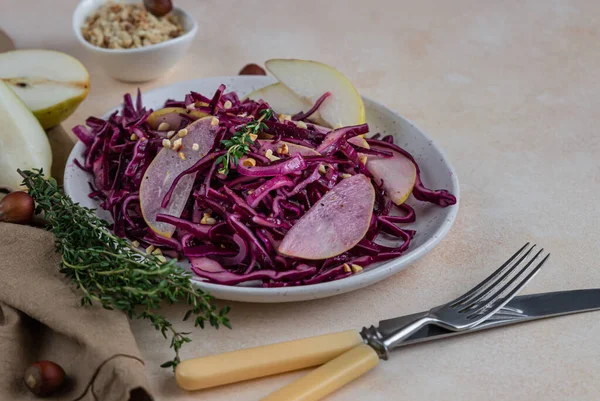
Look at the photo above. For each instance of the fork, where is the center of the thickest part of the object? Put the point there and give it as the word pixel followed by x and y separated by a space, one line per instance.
pixel 460 314
pixel 463 313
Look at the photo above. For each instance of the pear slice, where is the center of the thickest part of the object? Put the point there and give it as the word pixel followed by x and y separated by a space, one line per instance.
pixel 173 117
pixel 398 175
pixel 310 80
pixel 292 149
pixel 163 170
pixel 51 84
pixel 23 141
pixel 281 99
pixel 333 225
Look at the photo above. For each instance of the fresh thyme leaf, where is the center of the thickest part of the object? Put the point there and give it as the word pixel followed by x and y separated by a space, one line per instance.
pixel 109 272
pixel 266 113
pixel 239 144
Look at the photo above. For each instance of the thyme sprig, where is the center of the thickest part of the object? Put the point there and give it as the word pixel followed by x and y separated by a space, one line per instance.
pixel 108 271
pixel 239 144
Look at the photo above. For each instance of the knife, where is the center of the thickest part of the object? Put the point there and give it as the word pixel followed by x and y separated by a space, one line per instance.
pixel 521 309
pixel 250 363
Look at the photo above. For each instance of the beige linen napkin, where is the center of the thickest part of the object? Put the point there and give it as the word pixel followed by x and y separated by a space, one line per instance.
pixel 41 318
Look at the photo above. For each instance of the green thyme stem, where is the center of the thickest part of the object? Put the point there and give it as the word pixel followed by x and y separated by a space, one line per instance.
pixel 109 272
pixel 239 144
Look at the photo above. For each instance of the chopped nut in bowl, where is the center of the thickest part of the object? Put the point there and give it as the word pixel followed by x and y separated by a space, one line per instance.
pixel 131 43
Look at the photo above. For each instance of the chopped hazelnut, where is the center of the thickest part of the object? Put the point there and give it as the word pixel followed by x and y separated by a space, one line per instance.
pixel 249 162
pixel 164 126
pixel 283 149
pixel 177 143
pixel 269 155
pixel 356 268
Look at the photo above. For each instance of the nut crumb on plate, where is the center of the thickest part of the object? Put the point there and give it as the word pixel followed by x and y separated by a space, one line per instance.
pixel 177 144
pixel 269 155
pixel 126 26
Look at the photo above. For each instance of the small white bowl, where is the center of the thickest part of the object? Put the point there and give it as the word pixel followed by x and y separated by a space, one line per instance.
pixel 139 64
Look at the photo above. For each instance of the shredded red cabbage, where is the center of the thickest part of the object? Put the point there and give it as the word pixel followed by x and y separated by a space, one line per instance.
pixel 233 224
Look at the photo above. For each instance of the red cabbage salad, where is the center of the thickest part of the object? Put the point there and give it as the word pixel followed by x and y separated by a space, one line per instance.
pixel 250 195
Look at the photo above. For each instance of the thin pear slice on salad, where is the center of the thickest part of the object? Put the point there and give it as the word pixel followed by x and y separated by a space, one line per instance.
pixel 397 173
pixel 173 117
pixel 333 225
pixel 360 141
pixel 166 166
pixel 310 80
pixel 283 147
pixel 280 98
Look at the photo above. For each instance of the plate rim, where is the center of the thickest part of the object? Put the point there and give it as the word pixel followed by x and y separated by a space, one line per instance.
pixel 319 290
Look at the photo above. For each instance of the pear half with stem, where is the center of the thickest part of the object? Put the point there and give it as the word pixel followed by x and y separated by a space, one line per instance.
pixel 50 83
pixel 23 141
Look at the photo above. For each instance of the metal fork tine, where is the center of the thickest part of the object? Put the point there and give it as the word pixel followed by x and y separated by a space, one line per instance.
pixel 476 289
pixel 484 292
pixel 460 315
pixel 487 301
pixel 504 300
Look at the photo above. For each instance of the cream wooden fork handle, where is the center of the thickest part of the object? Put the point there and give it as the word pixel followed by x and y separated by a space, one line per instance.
pixel 330 377
pixel 250 363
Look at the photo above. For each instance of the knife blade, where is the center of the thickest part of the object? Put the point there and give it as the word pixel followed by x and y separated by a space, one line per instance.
pixel 521 309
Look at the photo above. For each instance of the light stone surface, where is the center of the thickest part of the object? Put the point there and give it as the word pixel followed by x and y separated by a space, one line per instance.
pixel 511 91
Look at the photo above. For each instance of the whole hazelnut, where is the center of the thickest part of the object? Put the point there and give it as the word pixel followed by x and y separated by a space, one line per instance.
pixel 44 378
pixel 158 7
pixel 17 207
pixel 252 69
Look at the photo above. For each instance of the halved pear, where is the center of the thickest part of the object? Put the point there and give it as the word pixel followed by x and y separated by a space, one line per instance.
pixel 172 116
pixel 310 80
pixel 281 99
pixel 23 141
pixel 51 84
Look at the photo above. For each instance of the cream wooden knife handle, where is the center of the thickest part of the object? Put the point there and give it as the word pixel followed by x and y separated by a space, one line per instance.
pixel 328 378
pixel 250 363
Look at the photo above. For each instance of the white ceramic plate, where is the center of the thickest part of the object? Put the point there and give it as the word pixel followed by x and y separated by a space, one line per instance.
pixel 433 223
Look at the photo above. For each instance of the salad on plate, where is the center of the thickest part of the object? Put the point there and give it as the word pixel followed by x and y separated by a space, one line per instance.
pixel 286 187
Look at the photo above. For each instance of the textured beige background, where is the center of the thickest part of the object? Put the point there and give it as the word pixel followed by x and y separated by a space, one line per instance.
pixel 510 89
